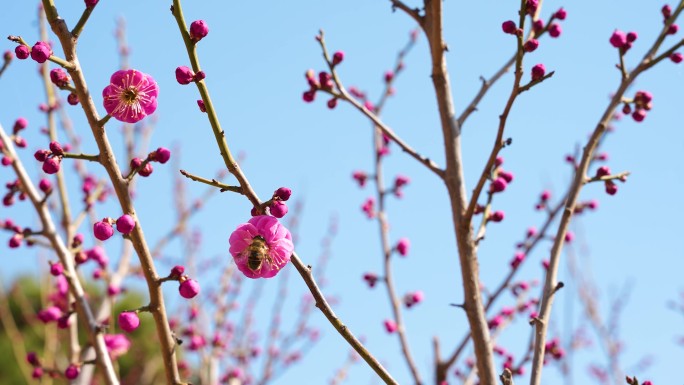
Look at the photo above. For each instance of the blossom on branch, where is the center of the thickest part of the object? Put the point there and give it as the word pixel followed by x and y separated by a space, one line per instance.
pixel 130 96
pixel 261 247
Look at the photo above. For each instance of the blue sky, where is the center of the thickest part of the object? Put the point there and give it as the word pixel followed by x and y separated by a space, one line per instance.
pixel 255 57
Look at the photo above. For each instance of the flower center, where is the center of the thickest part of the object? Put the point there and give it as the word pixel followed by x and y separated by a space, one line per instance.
pixel 129 95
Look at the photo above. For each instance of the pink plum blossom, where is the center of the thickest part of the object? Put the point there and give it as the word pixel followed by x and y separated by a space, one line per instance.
pixel 130 96
pixel 264 235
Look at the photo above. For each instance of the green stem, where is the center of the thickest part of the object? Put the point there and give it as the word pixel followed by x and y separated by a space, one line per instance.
pixel 212 182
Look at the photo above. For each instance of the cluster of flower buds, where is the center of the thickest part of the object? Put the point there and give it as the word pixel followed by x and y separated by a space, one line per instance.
pixel 51 158
pixel 103 229
pixel 500 178
pixel 19 125
pixel 277 206
pixel 188 287
pixel 62 80
pixel 40 52
pixel 581 206
pixel 19 236
pixel 538 26
pixel 643 102
pixel 322 81
pixel 13 188
pixel 633 380
pixel 667 13
pixel 144 167
pixel 554 349
pixel 611 187
pixel 622 41
pixel 185 75
pixel 543 200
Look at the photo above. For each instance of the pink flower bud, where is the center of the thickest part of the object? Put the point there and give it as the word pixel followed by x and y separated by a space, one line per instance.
pixel 309 96
pixel 518 258
pixel 538 72
pixel 20 124
pixel 371 279
pixel 129 321
pixel 495 322
pixel 198 30
pixel 401 181
pixel 184 75
pixel 676 57
pixel 507 176
pixel 403 246
pixel 45 185
pixel 602 171
pixel 125 224
pixel 390 326
pixel 360 177
pixel 32 358
pixel 611 188
pixel 56 269
pixel 91 3
pixel 278 209
pixel 200 104
pixel 72 99
pixel 555 30
pixel 177 271
pixel 189 288
pixel 199 76
pixel 162 155
pixel 22 52
pixel 41 51
pixel 673 29
pixel 49 314
pixel 561 14
pixel 389 75
pixel 569 236
pixel 56 148
pixel 498 185
pixel 332 103
pixel 41 155
pixel 51 166
pixel 531 45
pixel 71 372
pixel 103 230
pixel 509 27
pixel 618 39
pixel 338 57
pixel 283 193
pixel 496 216
pixel 59 77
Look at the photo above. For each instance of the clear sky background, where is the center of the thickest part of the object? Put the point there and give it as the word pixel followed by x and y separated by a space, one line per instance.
pixel 255 57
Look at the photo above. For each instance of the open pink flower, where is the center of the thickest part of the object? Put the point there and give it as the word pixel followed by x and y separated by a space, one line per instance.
pixel 130 96
pixel 261 247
